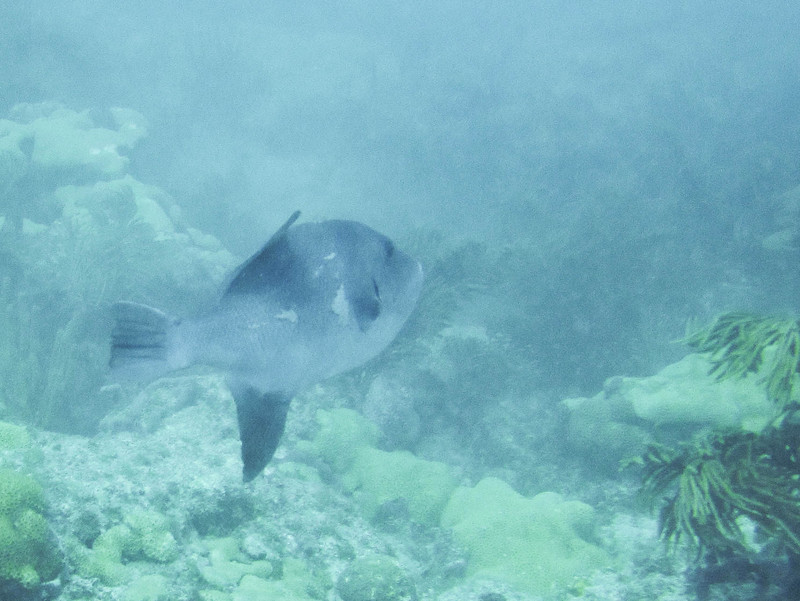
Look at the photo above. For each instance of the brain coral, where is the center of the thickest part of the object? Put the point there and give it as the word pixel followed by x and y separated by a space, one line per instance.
pixel 536 544
pixel 28 552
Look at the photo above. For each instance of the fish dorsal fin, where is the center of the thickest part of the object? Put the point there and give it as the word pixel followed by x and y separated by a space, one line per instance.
pixel 260 269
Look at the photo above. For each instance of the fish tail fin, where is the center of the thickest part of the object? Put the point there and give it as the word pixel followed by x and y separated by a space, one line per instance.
pixel 142 342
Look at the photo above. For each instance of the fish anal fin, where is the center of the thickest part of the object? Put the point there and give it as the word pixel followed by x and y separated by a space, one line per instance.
pixel 262 419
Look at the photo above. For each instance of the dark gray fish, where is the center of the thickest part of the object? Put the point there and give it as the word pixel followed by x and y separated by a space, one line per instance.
pixel 318 299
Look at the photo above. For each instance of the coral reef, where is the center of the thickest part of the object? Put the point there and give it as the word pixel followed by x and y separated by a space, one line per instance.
pixel 79 233
pixel 629 413
pixel 144 536
pixel 505 533
pixel 29 554
pixel 345 440
pixel 151 507
pixel 534 543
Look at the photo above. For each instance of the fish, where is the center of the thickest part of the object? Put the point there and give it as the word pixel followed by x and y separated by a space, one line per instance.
pixel 318 299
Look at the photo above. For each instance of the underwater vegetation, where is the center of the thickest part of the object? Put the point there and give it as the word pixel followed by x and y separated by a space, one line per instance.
pixel 717 488
pixel 724 476
pixel 30 554
pixel 741 343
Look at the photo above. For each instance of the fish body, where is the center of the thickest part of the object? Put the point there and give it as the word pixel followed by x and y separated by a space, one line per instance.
pixel 317 300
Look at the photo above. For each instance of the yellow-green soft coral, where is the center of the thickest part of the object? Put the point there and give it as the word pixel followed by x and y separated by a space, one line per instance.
pixel 144 536
pixel 28 554
pixel 152 536
pixel 104 560
pixel 377 477
pixel 346 442
pixel 535 544
pixel 12 436
pixel 709 484
pixel 342 433
pixel 226 564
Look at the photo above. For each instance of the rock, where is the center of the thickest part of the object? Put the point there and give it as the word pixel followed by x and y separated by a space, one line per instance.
pixel 375 578
pixel 621 420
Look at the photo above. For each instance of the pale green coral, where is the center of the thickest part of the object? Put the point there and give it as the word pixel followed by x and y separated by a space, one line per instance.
pixel 63 138
pixel 152 537
pixel 144 536
pixel 346 442
pixel 31 525
pixel 226 565
pixel 13 436
pixel 685 393
pixel 620 421
pixel 535 543
pixel 377 477
pixel 292 587
pixel 249 581
pixel 115 542
pixel 342 433
pixel 19 492
pixel 104 560
pixel 28 553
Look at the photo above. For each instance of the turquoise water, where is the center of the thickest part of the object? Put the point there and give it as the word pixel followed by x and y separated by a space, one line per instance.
pixel 579 183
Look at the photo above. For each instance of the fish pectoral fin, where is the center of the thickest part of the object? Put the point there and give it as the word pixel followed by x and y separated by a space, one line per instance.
pixel 262 419
pixel 366 306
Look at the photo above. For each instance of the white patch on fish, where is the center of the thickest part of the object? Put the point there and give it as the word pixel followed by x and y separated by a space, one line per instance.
pixel 290 315
pixel 340 306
